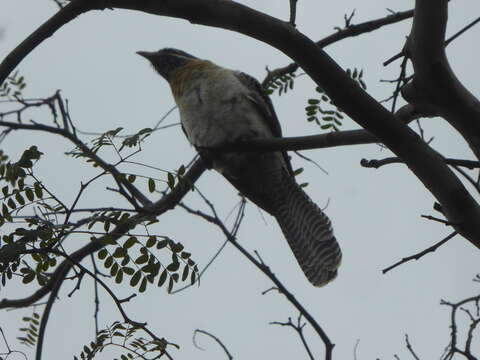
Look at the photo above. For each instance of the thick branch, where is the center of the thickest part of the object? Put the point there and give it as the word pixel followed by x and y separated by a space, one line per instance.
pixel 460 208
pixel 352 30
pixel 434 83
pixel 66 14
pixel 427 164
pixel 332 139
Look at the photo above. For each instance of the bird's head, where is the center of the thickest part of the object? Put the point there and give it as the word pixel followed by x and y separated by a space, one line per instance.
pixel 165 61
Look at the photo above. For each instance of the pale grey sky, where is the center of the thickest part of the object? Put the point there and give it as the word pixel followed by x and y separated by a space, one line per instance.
pixel 375 213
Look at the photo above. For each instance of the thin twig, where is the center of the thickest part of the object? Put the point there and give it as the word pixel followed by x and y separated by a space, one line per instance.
pixel 461 31
pixel 219 342
pixel 95 296
pixel 279 285
pixel 410 348
pixel 46 315
pixel 352 30
pixel 420 254
pixel 298 327
pixel 293 12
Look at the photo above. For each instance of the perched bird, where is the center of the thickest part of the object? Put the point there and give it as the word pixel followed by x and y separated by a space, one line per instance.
pixel 219 106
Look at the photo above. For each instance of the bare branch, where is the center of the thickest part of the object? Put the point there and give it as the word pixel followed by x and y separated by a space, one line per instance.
pixel 351 31
pixel 298 327
pixel 410 348
pixel 219 342
pixel 461 31
pixel 470 164
pixel 259 264
pixel 420 254
pixel 293 11
pixel 459 206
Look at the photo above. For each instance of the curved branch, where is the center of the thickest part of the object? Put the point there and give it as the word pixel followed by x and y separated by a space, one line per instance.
pixel 350 31
pixel 434 83
pixel 63 16
pixel 46 314
pixel 459 206
pixel 259 264
pixel 219 342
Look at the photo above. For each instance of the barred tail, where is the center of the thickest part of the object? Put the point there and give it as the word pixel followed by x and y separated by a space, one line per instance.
pixel 308 232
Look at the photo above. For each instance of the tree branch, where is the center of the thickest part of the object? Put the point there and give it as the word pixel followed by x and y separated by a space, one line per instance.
pixel 259 264
pixel 298 327
pixel 458 205
pixel 166 203
pixel 420 254
pixel 219 342
pixel 352 30
pixel 434 83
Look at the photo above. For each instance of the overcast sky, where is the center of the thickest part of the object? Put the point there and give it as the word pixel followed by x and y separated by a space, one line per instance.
pixel 375 213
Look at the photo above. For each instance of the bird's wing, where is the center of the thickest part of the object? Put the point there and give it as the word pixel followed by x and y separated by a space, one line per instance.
pixel 264 105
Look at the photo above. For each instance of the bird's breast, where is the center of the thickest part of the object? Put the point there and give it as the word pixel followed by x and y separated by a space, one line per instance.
pixel 216 110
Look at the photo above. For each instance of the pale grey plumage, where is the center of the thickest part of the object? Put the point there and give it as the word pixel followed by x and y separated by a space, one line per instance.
pixel 219 106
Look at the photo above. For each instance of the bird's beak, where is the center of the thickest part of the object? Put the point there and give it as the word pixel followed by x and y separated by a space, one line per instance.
pixel 146 54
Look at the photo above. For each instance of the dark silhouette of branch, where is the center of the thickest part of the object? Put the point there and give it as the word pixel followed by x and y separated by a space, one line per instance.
pixel 434 83
pixel 410 348
pixel 298 327
pixel 235 228
pixel 68 131
pixel 331 139
pixel 453 348
pixel 458 205
pixel 469 164
pixel 63 16
pixel 95 292
pixel 420 254
pixel 461 31
pixel 59 4
pixel 219 342
pixel 9 350
pixel 159 207
pixel 350 31
pixel 259 264
pixel 293 12
pixel 54 292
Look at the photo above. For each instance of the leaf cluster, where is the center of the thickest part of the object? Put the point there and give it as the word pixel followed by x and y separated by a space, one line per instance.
pixel 13 86
pixel 127 337
pixel 145 267
pixel 282 84
pixel 30 330
pixel 324 112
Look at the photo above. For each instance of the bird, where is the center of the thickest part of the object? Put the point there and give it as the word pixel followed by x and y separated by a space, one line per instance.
pixel 220 107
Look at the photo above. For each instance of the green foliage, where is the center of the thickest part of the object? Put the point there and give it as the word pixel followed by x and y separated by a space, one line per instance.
pixel 30 330
pixel 18 193
pixel 136 139
pixel 174 179
pixel 107 139
pixel 281 84
pixel 127 337
pixel 13 86
pixel 331 116
pixel 136 258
